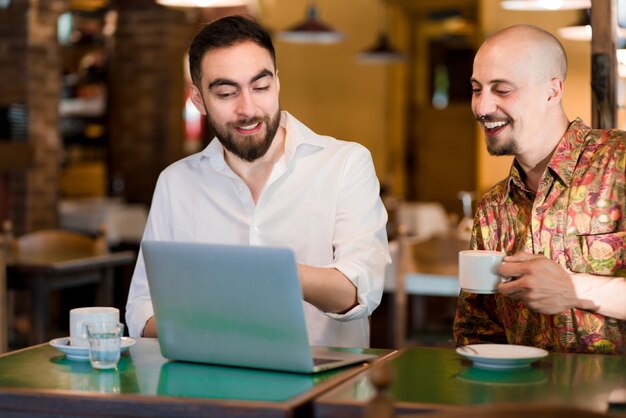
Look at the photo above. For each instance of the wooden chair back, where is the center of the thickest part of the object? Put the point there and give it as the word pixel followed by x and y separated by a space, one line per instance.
pixel 57 244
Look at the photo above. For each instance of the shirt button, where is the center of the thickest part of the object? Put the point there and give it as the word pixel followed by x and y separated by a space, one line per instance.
pixel 539 211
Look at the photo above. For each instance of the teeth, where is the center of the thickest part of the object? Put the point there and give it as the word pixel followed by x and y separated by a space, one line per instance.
pixel 247 128
pixel 493 125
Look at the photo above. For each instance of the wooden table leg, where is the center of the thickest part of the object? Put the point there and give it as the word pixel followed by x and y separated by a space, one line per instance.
pixel 419 312
pixel 3 305
pixel 400 306
pixel 40 319
pixel 400 314
pixel 104 292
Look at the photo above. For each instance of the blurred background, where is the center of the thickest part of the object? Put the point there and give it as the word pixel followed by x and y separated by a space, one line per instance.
pixel 94 99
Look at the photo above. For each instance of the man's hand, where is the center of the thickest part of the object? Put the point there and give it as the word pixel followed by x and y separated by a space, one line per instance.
pixel 540 283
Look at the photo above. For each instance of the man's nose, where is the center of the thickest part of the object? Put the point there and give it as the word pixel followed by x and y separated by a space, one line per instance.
pixel 245 104
pixel 484 104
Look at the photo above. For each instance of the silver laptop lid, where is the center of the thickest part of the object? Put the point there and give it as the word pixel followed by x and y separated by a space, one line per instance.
pixel 230 305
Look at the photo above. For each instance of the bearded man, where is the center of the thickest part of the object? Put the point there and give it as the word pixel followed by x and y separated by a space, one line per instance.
pixel 268 180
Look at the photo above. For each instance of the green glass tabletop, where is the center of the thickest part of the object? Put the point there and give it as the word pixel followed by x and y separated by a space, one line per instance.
pixel 427 377
pixel 143 371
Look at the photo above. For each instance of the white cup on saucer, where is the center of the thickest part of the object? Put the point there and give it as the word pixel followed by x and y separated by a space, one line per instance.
pixel 478 271
pixel 80 317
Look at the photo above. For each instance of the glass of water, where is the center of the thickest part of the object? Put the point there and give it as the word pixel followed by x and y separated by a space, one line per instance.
pixel 104 344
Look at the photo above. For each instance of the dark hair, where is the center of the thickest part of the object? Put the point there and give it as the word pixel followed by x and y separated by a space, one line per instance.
pixel 223 33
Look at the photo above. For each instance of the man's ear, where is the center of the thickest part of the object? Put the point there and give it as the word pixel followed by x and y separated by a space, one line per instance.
pixel 196 98
pixel 556 90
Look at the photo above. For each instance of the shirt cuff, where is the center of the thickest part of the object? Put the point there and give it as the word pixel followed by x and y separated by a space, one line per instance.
pixel 363 290
pixel 359 311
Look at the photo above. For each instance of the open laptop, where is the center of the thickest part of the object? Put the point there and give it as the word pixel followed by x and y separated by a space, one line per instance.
pixel 233 305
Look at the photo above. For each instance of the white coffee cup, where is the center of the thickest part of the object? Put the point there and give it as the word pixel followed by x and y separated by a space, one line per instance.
pixel 478 271
pixel 79 317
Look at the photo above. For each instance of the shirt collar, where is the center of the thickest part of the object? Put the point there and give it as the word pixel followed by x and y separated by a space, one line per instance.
pixel 564 158
pixel 297 136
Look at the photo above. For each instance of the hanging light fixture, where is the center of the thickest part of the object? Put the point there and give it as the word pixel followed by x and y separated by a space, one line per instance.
pixel 88 5
pixel 581 31
pixel 545 4
pixel 203 3
pixel 312 30
pixel 382 52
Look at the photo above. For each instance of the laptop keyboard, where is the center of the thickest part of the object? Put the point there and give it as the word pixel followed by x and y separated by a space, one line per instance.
pixel 318 361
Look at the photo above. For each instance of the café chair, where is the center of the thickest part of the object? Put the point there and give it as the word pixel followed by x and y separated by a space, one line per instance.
pixel 57 244
pixel 420 221
pixel 425 264
pixel 47 260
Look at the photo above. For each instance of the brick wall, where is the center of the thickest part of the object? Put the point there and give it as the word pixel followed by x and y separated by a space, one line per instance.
pixel 146 100
pixel 147 94
pixel 30 76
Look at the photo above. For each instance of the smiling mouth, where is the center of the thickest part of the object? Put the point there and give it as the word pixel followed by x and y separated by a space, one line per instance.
pixel 249 129
pixel 493 127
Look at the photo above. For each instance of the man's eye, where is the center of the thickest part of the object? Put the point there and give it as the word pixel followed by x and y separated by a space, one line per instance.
pixel 475 91
pixel 225 94
pixel 502 92
pixel 262 88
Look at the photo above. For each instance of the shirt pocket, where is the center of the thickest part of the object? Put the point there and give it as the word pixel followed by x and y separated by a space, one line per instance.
pixel 601 254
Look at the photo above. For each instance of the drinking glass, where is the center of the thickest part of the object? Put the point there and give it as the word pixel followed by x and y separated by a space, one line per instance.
pixel 104 344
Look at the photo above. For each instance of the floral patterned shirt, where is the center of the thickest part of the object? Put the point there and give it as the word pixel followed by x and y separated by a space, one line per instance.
pixel 577 219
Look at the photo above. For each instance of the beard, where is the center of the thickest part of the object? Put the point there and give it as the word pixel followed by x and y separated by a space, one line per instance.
pixel 247 147
pixel 509 147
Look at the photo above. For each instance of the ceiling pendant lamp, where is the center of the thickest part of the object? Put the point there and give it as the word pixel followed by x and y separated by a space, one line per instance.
pixel 581 30
pixel 545 4
pixel 88 5
pixel 203 3
pixel 311 31
pixel 382 52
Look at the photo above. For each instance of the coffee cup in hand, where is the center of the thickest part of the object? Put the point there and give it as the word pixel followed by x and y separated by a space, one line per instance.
pixel 80 317
pixel 478 271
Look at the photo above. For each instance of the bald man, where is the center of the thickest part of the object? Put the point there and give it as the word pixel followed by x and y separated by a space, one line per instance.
pixel 560 214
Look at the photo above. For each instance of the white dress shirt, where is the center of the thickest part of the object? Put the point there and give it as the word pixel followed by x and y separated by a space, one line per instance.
pixel 321 200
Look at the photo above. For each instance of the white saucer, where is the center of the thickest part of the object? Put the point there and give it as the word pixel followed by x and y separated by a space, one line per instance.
pixel 501 356
pixel 82 353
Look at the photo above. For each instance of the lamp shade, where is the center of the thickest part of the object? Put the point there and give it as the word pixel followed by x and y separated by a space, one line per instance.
pixel 581 30
pixel 545 4
pixel 312 30
pixel 203 3
pixel 382 52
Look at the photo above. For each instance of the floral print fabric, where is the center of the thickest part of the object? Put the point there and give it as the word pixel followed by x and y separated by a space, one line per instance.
pixel 577 219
